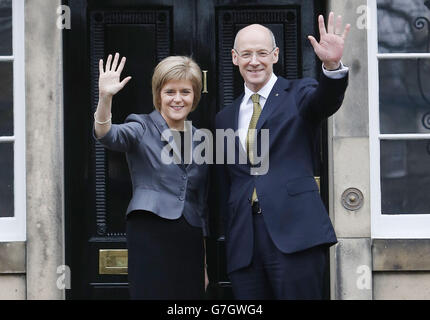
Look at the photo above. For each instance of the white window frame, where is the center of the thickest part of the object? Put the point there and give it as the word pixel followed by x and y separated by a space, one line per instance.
pixel 403 226
pixel 14 228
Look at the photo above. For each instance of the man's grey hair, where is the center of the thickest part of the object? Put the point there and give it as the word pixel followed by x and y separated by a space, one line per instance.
pixel 271 35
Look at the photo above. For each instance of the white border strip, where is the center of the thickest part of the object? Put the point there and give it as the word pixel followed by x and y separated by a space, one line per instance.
pixel 14 228
pixel 19 117
pixel 373 76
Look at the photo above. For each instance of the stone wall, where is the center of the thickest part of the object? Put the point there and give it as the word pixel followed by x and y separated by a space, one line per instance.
pixel 44 146
pixel 351 261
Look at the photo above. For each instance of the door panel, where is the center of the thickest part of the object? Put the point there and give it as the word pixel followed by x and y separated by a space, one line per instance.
pixel 97 181
pixel 143 36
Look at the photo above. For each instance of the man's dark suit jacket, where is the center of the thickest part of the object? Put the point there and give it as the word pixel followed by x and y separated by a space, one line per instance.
pixel 294 214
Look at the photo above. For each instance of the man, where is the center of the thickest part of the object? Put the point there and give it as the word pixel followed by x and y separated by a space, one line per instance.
pixel 276 226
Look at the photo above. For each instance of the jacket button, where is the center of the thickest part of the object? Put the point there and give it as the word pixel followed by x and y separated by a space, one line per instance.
pixel 181 198
pixel 184 177
pixel 182 188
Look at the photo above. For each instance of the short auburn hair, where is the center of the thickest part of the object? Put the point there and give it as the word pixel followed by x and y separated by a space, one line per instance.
pixel 176 68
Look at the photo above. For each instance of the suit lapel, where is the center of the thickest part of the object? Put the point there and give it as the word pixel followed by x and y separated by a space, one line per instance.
pixel 236 108
pixel 276 96
pixel 238 145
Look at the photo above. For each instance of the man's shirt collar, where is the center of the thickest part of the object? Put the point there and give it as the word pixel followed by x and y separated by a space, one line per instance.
pixel 263 92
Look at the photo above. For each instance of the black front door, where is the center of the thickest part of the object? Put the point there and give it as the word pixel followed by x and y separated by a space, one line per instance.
pixel 97 181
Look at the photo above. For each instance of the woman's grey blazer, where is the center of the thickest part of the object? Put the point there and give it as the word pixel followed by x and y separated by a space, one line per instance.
pixel 168 190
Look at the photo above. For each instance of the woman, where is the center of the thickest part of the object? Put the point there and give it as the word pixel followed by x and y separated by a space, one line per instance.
pixel 166 217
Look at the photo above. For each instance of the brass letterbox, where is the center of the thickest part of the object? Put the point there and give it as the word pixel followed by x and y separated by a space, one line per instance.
pixel 113 261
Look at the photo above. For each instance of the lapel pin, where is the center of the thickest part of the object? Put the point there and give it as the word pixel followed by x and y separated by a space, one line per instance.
pixel 277 94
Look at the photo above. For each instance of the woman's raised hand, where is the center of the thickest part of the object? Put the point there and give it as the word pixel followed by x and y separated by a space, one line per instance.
pixel 109 79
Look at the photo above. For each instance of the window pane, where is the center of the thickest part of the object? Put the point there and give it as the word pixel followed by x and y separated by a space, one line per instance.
pixel 6 180
pixel 403 26
pixel 404 95
pixel 405 176
pixel 5 27
pixel 6 98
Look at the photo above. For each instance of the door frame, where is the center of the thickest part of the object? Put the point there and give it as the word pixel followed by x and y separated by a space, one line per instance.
pixel 78 64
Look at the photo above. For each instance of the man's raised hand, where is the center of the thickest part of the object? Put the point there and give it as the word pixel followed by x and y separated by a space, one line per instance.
pixel 330 47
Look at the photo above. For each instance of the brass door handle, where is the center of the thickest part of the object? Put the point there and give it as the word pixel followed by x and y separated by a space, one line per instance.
pixel 205 81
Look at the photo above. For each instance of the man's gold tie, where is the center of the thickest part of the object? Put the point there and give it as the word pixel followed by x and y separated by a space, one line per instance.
pixel 251 136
